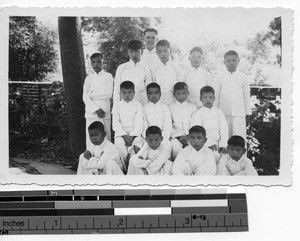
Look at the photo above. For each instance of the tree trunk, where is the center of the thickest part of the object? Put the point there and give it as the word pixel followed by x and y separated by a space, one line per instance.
pixel 73 69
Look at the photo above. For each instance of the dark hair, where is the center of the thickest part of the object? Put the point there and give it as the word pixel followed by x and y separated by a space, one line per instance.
pixel 153 130
pixel 135 45
pixel 196 49
pixel 151 30
pixel 163 42
pixel 96 55
pixel 207 89
pixel 153 85
pixel 236 141
pixel 127 85
pixel 97 125
pixel 197 129
pixel 180 86
pixel 230 52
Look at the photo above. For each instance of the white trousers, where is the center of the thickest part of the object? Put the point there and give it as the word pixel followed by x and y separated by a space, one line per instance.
pixel 123 149
pixel 111 168
pixel 176 147
pixel 237 126
pixel 165 169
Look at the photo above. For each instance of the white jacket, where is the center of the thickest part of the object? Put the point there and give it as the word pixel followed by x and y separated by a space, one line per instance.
pixel 97 91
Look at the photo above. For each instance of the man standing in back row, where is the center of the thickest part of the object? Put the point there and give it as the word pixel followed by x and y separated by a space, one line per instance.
pixel 149 56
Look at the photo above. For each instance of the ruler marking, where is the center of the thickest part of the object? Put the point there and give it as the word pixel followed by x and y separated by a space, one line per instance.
pixel 230 223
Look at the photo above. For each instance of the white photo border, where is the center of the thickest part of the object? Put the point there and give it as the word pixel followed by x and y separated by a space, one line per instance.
pixel 284 178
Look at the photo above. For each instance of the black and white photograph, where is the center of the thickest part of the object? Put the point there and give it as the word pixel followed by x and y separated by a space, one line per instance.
pixel 186 96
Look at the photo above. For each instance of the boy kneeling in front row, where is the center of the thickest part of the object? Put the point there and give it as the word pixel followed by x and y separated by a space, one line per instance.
pixel 196 158
pixel 101 157
pixel 236 162
pixel 154 157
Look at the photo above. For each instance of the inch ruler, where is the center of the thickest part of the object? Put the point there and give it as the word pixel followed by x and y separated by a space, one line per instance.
pixel 122 211
pixel 124 224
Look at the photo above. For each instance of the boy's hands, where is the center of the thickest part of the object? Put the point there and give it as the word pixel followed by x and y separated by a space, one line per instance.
pixel 184 140
pixel 127 140
pixel 87 155
pixel 100 113
pixel 214 148
pixel 222 150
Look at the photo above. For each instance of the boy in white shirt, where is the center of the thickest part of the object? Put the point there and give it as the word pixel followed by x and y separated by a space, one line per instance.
pixel 236 163
pixel 166 73
pixel 196 158
pixel 127 121
pixel 97 91
pixel 181 113
pixel 135 71
pixel 101 157
pixel 156 113
pixel 154 157
pixel 213 121
pixel 149 56
pixel 233 95
pixel 196 77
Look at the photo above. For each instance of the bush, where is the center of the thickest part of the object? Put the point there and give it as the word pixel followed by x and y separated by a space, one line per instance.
pixel 263 135
pixel 39 129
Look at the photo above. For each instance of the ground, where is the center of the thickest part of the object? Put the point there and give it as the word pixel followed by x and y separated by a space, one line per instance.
pixel 24 166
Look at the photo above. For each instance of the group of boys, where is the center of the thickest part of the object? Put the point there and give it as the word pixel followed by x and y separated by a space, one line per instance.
pixel 165 121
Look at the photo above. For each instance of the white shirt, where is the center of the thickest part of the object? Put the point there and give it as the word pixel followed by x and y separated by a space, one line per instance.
pixel 215 124
pixel 150 58
pixel 158 115
pixel 181 114
pixel 101 154
pixel 233 94
pixel 127 118
pixel 195 80
pixel 153 160
pixel 167 75
pixel 97 91
pixel 228 166
pixel 189 161
pixel 137 73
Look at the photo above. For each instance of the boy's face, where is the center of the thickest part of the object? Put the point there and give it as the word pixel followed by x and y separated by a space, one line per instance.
pixel 96 136
pixel 96 64
pixel 127 94
pixel 154 140
pixel 236 152
pixel 153 95
pixel 134 55
pixel 163 53
pixel 231 62
pixel 207 99
pixel 197 140
pixel 181 95
pixel 195 59
pixel 150 40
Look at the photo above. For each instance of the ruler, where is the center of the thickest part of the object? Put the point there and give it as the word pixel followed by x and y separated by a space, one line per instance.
pixel 121 211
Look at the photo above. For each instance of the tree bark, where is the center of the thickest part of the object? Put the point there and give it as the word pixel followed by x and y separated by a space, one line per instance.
pixel 73 68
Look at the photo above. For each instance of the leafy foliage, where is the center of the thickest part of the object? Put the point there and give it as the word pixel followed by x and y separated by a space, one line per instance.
pixel 39 129
pixel 114 34
pixel 32 54
pixel 263 134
